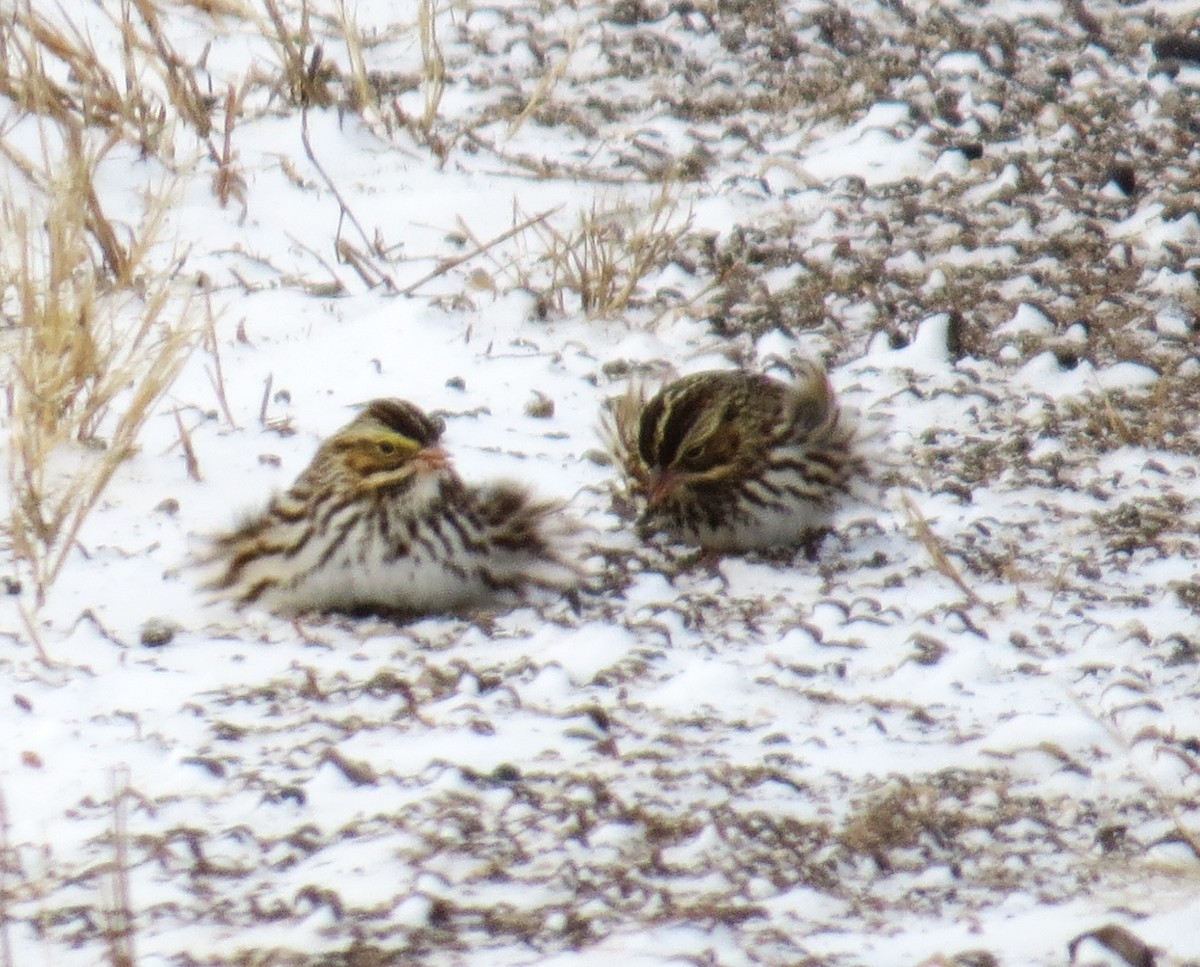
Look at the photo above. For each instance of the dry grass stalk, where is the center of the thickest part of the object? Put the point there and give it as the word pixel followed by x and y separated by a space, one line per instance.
pixel 606 257
pixel 302 66
pixel 228 182
pixel 1117 424
pixel 363 96
pixel 33 635
pixel 433 64
pixel 179 80
pixel 346 252
pixel 543 89
pixel 38 50
pixel 82 187
pixel 90 356
pixel 189 452
pixel 446 265
pixel 7 861
pixel 937 554
pixel 216 374
pixel 119 926
pixel 80 159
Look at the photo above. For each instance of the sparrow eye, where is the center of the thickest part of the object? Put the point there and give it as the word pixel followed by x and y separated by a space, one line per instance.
pixel 387 448
pixel 692 458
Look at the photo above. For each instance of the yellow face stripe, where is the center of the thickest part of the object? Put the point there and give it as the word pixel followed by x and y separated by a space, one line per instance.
pixel 370 451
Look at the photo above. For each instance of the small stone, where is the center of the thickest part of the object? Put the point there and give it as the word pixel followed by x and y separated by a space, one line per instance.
pixel 170 507
pixel 158 632
pixel 269 460
pixel 10 585
pixel 1112 839
pixel 506 773
pixel 456 382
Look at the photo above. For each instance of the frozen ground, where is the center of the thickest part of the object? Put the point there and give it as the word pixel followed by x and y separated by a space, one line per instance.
pixel 967 733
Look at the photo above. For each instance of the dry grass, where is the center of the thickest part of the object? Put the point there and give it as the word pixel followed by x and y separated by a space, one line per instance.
pixel 115 913
pixel 610 252
pixel 99 328
pixel 477 249
pixel 38 52
pixel 180 80
pixel 100 335
pixel 119 927
pixel 362 93
pixel 228 183
pixel 543 90
pixel 302 58
pixel 433 65
pixel 56 72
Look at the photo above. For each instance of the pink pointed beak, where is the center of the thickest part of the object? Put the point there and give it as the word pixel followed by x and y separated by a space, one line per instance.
pixel 662 483
pixel 432 459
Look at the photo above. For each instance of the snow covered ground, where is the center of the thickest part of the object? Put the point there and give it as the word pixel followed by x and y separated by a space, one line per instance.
pixel 967 733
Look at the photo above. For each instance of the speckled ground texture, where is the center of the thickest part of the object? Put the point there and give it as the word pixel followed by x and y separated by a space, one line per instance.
pixel 964 730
